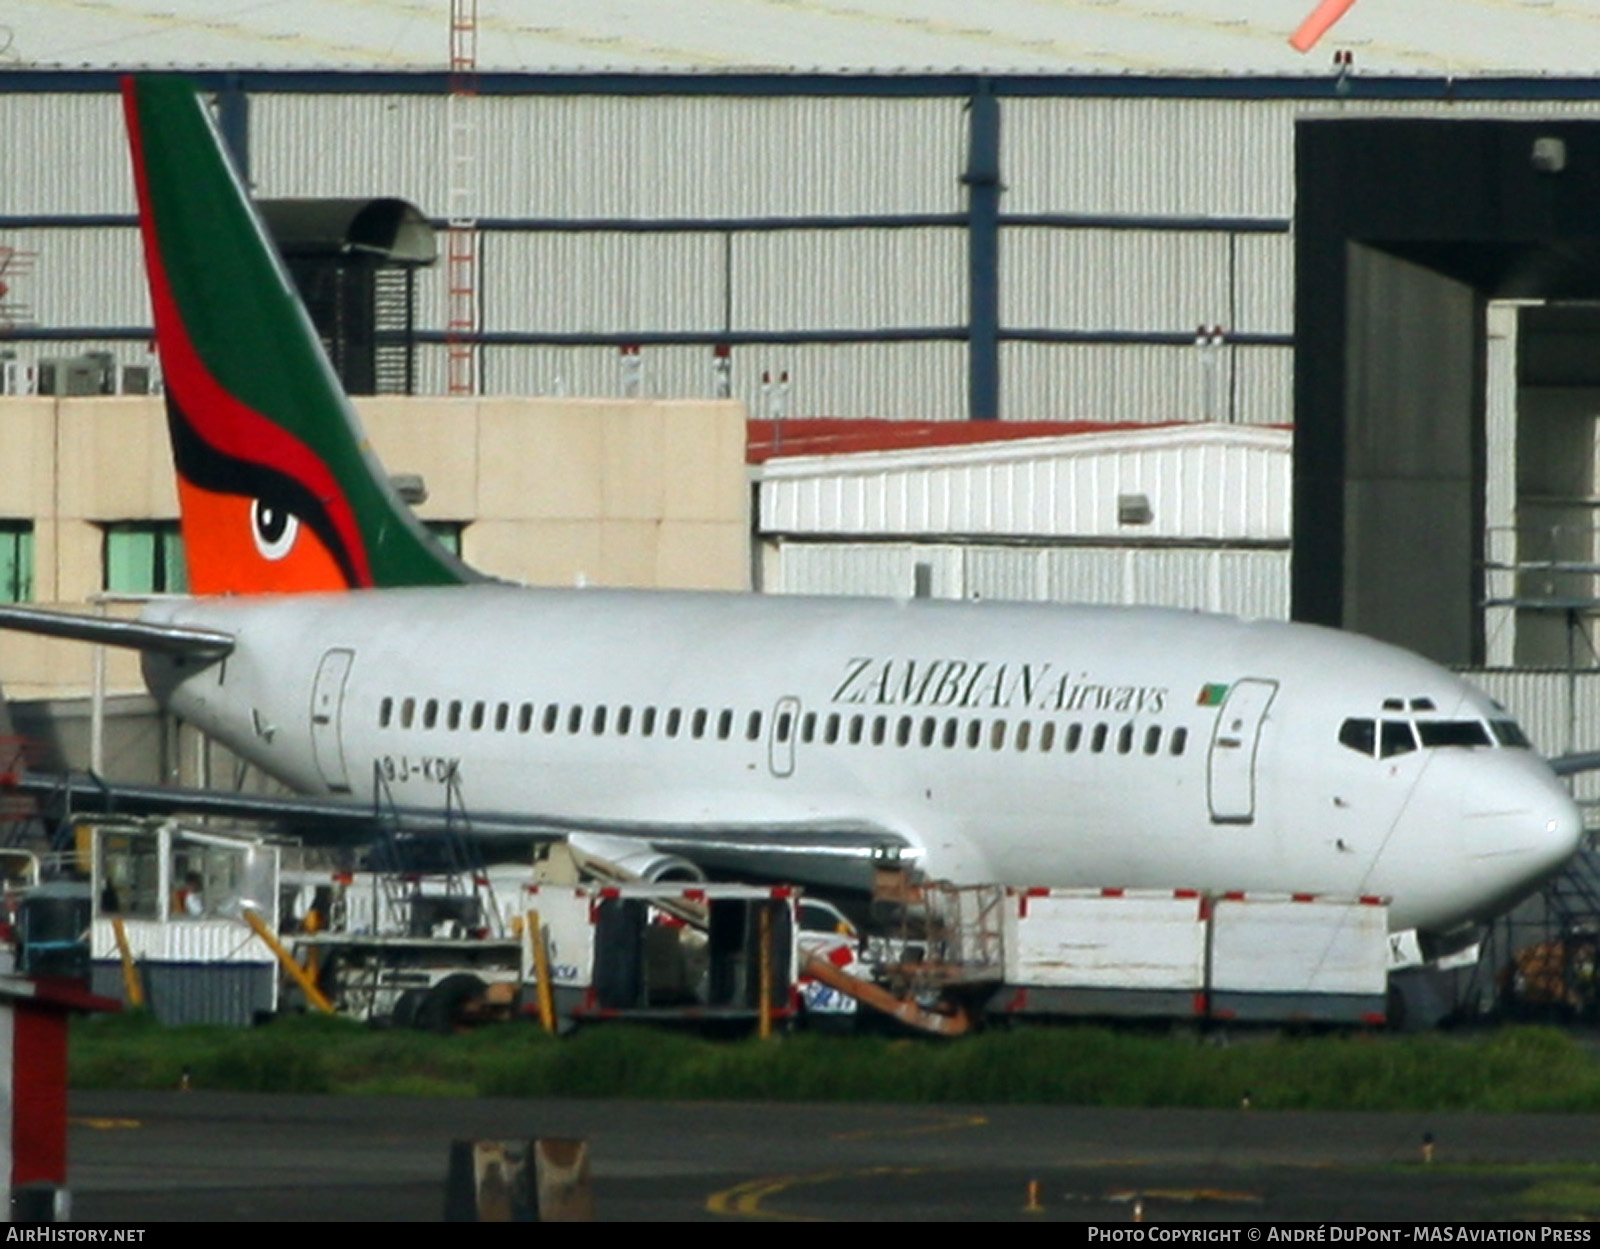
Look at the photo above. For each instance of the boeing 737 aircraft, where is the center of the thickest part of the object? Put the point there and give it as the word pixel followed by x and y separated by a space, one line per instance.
pixel 341 651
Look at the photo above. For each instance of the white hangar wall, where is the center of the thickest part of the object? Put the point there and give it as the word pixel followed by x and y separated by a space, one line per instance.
pixel 1194 517
pixel 1158 176
pixel 1249 583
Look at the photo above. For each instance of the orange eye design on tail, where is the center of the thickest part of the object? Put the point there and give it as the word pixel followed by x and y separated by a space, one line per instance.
pixel 274 530
pixel 236 544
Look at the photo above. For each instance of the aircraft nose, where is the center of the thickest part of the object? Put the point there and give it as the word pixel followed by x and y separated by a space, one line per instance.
pixel 1564 828
pixel 1521 821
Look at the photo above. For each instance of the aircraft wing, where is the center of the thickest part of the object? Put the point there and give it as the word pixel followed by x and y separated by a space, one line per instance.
pixel 345 819
pixel 172 639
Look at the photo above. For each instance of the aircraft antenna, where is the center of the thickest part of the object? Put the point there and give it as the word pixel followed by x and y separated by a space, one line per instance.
pixel 461 232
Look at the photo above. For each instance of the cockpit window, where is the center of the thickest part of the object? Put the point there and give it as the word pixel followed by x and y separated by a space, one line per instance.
pixel 1387 738
pixel 1359 735
pixel 1397 739
pixel 1510 733
pixel 1453 733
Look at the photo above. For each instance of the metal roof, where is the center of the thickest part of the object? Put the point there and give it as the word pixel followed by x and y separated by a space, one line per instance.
pixel 1220 37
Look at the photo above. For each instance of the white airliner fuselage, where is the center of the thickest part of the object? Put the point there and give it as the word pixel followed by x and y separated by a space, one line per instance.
pixel 1029 745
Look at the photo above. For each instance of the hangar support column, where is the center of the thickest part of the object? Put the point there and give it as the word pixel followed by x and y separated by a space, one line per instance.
pixel 983 254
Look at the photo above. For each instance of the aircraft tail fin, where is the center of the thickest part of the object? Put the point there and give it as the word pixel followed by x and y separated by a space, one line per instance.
pixel 278 489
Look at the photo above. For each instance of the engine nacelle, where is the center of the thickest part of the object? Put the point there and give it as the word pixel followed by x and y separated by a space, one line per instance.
pixel 631 859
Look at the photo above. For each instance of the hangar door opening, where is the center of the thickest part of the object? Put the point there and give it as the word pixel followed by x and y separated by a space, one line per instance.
pixel 1408 234
pixel 1543 491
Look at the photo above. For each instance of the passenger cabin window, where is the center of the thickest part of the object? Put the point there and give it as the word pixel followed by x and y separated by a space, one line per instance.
pixel 385 711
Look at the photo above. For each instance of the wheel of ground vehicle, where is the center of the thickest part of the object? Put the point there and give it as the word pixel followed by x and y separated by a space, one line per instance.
pixel 443 1005
pixel 406 1007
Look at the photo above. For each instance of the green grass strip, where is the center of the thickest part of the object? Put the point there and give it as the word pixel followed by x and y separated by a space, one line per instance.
pixel 1511 1069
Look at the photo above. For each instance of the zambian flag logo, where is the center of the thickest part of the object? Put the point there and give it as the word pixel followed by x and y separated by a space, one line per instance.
pixel 1213 695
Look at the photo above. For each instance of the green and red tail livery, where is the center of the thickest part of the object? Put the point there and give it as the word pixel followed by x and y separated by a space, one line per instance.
pixel 278 490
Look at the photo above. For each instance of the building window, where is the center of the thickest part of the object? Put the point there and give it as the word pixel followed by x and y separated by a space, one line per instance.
pixel 16 561
pixel 144 557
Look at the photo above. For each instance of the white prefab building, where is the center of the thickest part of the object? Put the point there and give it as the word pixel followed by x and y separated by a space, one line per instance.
pixel 1193 516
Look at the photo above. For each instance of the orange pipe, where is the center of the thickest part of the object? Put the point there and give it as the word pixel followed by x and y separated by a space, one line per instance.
pixel 1315 26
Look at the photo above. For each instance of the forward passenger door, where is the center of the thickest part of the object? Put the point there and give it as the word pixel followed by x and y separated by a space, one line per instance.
pixel 1231 767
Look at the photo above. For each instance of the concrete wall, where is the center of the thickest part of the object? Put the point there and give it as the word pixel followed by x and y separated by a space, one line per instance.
pixel 552 492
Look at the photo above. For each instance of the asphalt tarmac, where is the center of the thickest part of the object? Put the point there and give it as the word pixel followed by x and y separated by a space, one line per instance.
pixel 147 1157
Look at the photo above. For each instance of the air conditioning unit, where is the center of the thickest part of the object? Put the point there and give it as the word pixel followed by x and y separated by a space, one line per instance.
pixel 72 375
pixel 16 378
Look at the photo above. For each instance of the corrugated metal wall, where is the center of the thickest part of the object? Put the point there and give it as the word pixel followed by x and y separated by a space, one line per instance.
pixel 84 277
pixel 924 381
pixel 1104 382
pixel 1252 583
pixel 234 994
pixel 1163 280
pixel 1211 484
pixel 685 156
pixel 1224 158
pixel 624 156
pixel 1560 712
pixel 63 153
